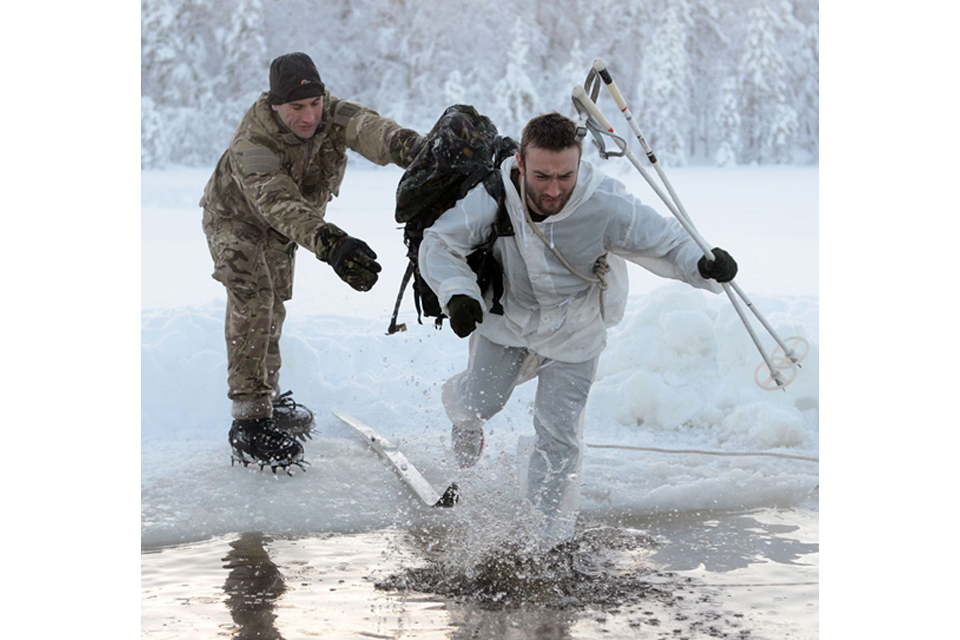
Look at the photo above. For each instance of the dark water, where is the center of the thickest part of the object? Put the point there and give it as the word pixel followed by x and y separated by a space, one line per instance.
pixel 692 575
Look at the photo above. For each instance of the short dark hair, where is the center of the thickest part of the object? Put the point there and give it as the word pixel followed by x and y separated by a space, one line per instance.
pixel 550 131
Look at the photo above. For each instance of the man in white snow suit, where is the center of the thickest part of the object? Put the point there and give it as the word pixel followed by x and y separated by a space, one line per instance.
pixel 564 283
pixel 268 195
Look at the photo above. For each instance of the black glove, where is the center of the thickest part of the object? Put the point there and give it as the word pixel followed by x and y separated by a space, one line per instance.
pixel 355 262
pixel 465 312
pixel 722 269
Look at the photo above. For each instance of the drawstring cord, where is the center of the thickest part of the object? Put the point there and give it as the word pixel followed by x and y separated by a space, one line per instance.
pixel 600 268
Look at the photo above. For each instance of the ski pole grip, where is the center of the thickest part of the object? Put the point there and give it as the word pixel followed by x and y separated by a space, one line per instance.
pixel 580 95
pixel 601 68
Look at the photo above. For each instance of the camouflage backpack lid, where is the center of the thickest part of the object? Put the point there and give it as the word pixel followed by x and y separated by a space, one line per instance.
pixel 462 150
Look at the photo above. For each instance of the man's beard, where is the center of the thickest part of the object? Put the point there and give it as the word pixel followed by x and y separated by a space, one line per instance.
pixel 542 205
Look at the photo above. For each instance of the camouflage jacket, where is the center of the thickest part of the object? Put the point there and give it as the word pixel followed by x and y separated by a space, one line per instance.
pixel 269 178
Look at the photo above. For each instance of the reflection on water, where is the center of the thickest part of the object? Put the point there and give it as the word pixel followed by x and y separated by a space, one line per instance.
pixel 533 623
pixel 622 576
pixel 721 541
pixel 253 585
pixel 618 570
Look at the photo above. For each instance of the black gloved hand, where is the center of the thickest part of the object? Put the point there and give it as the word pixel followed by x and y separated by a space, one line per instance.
pixel 722 269
pixel 355 262
pixel 465 312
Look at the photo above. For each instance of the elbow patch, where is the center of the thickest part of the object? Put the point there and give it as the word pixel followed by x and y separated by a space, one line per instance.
pixel 258 160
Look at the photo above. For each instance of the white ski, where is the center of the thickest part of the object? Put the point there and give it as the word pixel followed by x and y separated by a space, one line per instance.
pixel 410 475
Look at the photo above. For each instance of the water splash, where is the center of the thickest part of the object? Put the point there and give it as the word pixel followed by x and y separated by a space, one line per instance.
pixel 599 567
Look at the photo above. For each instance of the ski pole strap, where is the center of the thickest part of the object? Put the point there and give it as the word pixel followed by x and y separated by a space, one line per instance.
pixel 592 84
pixel 580 97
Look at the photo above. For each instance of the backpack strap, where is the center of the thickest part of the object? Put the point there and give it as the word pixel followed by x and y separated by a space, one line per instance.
pixel 488 269
pixel 493 183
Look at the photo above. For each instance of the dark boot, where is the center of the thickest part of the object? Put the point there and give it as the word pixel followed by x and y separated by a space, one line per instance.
pixel 291 417
pixel 260 442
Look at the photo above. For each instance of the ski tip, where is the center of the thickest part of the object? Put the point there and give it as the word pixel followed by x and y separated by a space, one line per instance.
pixel 450 497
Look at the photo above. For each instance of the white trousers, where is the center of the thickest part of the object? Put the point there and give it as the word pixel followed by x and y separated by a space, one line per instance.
pixel 472 397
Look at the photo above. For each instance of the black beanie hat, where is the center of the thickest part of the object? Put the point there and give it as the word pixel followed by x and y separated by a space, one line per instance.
pixel 293 76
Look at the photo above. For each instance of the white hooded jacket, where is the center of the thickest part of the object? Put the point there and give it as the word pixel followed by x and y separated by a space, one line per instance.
pixel 546 308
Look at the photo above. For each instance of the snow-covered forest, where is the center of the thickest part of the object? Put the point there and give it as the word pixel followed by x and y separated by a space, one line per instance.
pixel 709 81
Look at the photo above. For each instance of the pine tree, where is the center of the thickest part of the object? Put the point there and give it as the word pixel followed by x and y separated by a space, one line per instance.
pixel 799 45
pixel 728 125
pixel 710 52
pixel 572 73
pixel 769 122
pixel 809 102
pixel 159 49
pixel 665 84
pixel 153 148
pixel 802 49
pixel 515 94
pixel 245 53
pixel 453 90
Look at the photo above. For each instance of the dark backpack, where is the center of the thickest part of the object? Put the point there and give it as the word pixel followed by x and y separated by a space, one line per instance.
pixel 462 150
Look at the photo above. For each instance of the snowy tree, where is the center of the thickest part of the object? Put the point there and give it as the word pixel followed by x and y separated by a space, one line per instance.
pixel 516 96
pixel 809 102
pixel 159 50
pixel 665 84
pixel 245 53
pixel 798 44
pixel 728 125
pixel 153 147
pixel 802 49
pixel 769 123
pixel 783 133
pixel 203 62
pixel 176 51
pixel 710 50
pixel 453 90
pixel 199 64
pixel 572 73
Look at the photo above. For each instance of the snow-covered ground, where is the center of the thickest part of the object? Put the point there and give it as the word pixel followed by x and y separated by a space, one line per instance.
pixel 678 372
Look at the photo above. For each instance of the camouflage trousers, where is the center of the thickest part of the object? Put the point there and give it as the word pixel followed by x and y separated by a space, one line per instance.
pixel 256 268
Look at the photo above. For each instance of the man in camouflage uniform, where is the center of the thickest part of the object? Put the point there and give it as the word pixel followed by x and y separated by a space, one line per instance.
pixel 268 195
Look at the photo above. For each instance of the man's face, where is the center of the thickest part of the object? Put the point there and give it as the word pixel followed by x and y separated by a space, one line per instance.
pixel 301 116
pixel 550 178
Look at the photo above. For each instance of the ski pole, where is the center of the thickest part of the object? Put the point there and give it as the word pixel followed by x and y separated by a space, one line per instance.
pixel 601 69
pixel 580 96
pixel 581 99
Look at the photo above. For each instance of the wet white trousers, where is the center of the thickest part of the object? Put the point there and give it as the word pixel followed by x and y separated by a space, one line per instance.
pixel 472 397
